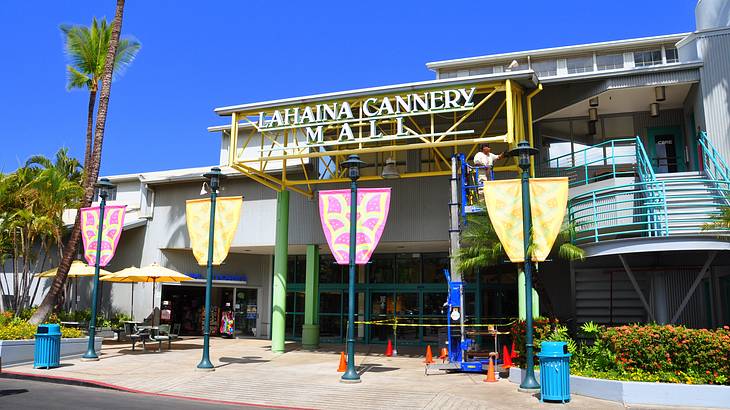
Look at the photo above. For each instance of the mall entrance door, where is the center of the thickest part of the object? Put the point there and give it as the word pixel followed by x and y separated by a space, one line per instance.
pixel 246 312
pixel 666 149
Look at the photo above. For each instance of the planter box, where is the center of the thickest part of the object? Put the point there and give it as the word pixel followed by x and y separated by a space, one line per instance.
pixel 644 393
pixel 14 352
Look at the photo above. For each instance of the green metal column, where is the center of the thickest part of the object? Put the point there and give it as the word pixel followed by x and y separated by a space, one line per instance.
pixel 310 329
pixel 521 294
pixel 521 297
pixel 281 256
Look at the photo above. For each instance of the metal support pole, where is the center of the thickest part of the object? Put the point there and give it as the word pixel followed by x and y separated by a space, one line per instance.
pixel 205 363
pixel 90 354
pixel 529 382
pixel 351 375
pixel 454 246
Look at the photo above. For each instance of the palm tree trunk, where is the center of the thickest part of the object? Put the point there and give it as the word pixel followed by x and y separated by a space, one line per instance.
pixel 69 250
pixel 90 129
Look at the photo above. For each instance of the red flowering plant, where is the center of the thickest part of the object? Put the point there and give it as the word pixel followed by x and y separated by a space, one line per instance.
pixel 542 328
pixel 671 353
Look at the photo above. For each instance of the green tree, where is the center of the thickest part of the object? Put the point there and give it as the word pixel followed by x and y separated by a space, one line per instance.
pixel 86 48
pixel 92 165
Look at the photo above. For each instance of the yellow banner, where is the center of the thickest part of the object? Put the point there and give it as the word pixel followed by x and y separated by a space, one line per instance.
pixel 227 216
pixel 548 202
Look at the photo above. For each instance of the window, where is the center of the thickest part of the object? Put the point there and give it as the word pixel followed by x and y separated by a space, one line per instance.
pixel 610 61
pixel 672 55
pixel 408 268
pixel 112 194
pixel 580 64
pixel 481 71
pixel 381 269
pixel 545 68
pixel 521 65
pixel 647 58
pixel 447 74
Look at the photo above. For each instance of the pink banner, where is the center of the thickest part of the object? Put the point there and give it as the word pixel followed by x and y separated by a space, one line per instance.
pixel 113 224
pixel 372 213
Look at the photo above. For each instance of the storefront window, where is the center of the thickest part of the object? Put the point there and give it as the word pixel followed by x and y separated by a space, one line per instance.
pixel 433 267
pixel 381 269
pixel 329 270
pixel 330 302
pixel 330 326
pixel 408 267
pixel 296 269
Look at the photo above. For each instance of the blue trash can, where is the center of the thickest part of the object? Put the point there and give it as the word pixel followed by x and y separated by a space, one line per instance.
pixel 554 371
pixel 47 346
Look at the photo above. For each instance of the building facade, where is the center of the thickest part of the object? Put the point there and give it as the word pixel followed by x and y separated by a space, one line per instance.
pixel 640 127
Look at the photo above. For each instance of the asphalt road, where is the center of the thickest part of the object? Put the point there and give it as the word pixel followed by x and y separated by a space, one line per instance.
pixel 26 394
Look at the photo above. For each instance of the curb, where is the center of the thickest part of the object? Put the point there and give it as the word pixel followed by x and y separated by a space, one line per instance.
pixel 5 374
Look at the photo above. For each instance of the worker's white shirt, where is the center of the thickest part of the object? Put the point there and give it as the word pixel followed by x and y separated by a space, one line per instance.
pixel 484 160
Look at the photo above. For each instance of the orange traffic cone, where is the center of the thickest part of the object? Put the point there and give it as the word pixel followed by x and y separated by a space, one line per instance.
pixel 429 355
pixel 343 363
pixel 514 352
pixel 506 358
pixel 389 349
pixel 491 378
pixel 444 354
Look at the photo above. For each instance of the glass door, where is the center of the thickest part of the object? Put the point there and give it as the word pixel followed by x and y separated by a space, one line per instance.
pixel 246 312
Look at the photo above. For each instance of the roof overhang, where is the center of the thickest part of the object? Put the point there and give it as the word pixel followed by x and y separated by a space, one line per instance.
pixel 564 50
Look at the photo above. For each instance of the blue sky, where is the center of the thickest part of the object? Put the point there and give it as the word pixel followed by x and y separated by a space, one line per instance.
pixel 200 55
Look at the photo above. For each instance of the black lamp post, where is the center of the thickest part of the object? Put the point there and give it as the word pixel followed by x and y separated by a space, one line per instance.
pixel 214 177
pixel 523 152
pixel 352 165
pixel 104 186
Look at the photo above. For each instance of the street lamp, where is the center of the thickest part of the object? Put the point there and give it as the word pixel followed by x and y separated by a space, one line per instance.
pixel 352 165
pixel 523 152
pixel 104 186
pixel 214 177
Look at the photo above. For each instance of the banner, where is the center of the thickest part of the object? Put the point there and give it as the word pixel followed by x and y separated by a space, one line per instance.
pixel 373 205
pixel 227 216
pixel 548 202
pixel 112 230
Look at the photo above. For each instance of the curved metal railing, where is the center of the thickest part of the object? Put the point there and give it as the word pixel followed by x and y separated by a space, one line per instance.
pixel 681 206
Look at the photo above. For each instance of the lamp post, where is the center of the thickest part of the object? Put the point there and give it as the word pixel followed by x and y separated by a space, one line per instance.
pixel 352 165
pixel 103 186
pixel 523 152
pixel 214 177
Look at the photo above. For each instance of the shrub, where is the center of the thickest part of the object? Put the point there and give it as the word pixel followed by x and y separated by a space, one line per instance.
pixel 542 328
pixel 20 330
pixel 671 353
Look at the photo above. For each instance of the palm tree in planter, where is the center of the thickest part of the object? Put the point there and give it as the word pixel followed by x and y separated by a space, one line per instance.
pixel 95 71
pixel 481 248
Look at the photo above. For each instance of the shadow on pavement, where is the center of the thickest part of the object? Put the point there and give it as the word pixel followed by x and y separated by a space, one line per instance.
pixel 10 392
pixel 241 360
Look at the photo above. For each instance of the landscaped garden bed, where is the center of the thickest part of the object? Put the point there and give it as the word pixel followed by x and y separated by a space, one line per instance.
pixel 641 364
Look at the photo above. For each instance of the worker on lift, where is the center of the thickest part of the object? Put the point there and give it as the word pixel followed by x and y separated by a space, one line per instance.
pixel 485 159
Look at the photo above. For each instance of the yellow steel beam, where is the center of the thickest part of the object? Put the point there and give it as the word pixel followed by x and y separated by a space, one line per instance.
pixel 233 139
pixel 510 112
pixel 370 150
pixel 467 115
pixel 529 123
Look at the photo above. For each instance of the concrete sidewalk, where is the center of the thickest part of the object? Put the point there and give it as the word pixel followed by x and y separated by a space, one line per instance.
pixel 247 372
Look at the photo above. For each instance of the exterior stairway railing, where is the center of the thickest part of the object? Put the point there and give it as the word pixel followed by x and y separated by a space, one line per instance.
pixel 645 207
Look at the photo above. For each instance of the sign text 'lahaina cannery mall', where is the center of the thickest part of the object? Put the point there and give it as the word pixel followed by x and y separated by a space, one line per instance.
pixel 367 118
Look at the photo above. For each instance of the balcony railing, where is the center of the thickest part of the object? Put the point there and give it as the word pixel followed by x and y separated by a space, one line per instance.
pixel 624 157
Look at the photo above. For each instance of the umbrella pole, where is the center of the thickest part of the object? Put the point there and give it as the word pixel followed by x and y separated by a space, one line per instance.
pixel 131 309
pixel 154 314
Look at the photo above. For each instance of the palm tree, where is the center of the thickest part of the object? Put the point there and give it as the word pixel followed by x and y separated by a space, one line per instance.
pixel 86 49
pixel 67 166
pixel 91 171
pixel 482 248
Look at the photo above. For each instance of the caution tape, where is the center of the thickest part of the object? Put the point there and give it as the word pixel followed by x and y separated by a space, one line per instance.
pixel 395 323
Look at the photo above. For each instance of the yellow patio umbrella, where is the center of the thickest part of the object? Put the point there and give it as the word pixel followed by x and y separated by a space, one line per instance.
pixel 152 273
pixel 78 269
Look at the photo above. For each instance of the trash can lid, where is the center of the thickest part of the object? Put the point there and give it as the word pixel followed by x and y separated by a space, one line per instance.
pixel 553 349
pixel 49 329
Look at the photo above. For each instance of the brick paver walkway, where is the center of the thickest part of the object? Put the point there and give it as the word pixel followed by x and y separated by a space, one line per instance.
pixel 248 372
